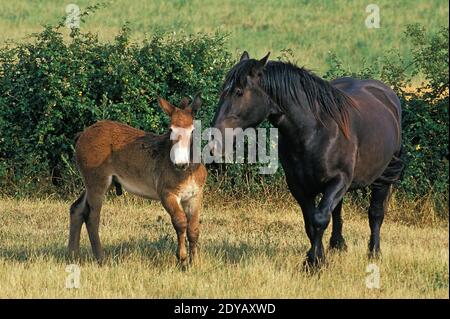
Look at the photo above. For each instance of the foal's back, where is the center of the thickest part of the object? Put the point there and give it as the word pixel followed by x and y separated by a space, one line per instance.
pixel 95 145
pixel 136 159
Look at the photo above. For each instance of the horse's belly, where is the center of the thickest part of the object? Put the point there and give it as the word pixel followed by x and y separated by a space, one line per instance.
pixel 371 162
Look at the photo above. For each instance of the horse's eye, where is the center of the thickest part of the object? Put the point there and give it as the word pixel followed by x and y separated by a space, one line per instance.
pixel 239 92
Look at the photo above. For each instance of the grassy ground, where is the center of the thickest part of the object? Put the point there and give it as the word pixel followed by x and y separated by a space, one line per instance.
pixel 310 28
pixel 248 248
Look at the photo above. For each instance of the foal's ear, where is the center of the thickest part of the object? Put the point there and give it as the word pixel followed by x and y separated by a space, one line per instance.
pixel 196 102
pixel 244 56
pixel 184 103
pixel 166 106
pixel 264 60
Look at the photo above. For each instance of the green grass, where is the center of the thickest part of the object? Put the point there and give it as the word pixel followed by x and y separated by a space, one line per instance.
pixel 310 28
pixel 248 249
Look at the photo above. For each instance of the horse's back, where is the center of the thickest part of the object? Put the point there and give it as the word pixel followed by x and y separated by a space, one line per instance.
pixel 376 104
pixel 369 90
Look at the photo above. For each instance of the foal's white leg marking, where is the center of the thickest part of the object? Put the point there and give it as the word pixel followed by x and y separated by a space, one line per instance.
pixel 180 152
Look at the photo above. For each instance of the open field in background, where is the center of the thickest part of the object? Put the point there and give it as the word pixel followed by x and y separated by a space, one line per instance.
pixel 310 28
pixel 249 249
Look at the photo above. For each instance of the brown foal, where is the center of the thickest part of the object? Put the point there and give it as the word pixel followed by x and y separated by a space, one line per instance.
pixel 152 166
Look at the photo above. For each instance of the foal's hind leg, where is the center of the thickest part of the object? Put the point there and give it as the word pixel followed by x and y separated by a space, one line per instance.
pixel 378 206
pixel 337 240
pixel 78 211
pixel 95 193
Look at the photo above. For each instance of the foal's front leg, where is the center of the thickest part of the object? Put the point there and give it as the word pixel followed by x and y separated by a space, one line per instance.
pixel 179 221
pixel 192 209
pixel 332 195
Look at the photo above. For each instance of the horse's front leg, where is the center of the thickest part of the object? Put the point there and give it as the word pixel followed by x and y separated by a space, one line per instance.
pixel 332 195
pixel 179 221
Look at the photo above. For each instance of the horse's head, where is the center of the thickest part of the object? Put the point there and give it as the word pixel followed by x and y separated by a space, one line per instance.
pixel 243 103
pixel 181 126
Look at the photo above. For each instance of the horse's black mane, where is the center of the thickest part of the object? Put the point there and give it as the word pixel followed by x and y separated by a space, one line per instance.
pixel 283 82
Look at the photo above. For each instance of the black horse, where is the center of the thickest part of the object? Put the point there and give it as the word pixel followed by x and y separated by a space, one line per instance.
pixel 333 137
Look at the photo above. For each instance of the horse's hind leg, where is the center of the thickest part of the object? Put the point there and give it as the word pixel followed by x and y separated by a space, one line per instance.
pixel 337 240
pixel 78 211
pixel 378 206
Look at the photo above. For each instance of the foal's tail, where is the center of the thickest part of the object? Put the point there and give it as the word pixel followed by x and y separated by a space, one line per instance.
pixel 118 186
pixel 394 171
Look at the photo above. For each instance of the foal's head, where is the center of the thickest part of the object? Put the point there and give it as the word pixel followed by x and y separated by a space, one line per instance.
pixel 181 126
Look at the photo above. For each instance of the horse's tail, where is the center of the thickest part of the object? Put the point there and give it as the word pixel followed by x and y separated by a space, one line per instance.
pixel 394 171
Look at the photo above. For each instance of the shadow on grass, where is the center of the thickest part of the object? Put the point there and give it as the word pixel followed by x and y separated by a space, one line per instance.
pixel 114 253
pixel 238 252
pixel 157 252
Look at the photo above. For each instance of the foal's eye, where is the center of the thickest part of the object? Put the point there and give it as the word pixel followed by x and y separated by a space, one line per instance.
pixel 239 92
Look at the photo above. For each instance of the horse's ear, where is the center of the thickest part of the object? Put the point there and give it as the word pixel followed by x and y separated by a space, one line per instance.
pixel 184 103
pixel 264 60
pixel 166 106
pixel 244 56
pixel 196 102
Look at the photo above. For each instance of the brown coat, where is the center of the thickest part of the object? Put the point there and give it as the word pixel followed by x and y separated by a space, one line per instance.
pixel 110 151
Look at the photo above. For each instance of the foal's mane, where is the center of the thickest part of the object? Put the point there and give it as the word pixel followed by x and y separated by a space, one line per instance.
pixel 283 82
pixel 155 143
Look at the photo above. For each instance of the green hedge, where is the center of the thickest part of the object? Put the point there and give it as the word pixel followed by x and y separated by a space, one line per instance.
pixel 52 88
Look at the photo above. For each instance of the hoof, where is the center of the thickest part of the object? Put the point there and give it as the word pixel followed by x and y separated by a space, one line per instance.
pixel 374 251
pixel 312 263
pixel 72 257
pixel 338 244
pixel 101 261
pixel 374 254
pixel 193 261
pixel 183 264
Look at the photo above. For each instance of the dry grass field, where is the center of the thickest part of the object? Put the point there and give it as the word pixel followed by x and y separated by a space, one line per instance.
pixel 249 249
